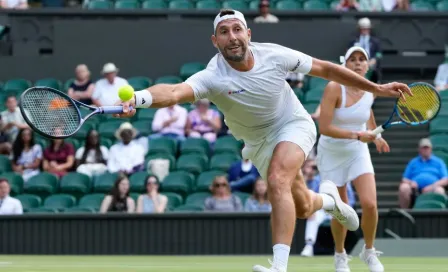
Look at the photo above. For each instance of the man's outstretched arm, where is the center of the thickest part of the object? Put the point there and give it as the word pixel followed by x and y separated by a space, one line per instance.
pixel 346 77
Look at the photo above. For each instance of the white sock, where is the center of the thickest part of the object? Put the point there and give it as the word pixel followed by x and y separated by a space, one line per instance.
pixel 281 255
pixel 327 202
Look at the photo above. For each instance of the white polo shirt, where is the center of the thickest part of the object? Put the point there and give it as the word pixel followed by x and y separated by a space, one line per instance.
pixel 10 205
pixel 107 93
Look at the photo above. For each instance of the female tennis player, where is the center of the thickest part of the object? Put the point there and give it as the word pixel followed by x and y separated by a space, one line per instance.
pixel 345 122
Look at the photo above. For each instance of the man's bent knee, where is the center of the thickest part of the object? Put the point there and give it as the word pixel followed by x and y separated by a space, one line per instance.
pixel 304 210
pixel 405 189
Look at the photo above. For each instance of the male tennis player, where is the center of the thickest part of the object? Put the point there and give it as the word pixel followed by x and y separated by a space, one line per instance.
pixel 246 81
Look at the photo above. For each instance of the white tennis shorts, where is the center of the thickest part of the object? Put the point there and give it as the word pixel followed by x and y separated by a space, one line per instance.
pixel 301 131
pixel 343 166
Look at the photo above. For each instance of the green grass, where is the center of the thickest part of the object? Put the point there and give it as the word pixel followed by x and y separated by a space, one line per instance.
pixel 199 263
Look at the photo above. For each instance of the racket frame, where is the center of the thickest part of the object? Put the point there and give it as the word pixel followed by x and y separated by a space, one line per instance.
pixel 403 122
pixel 75 103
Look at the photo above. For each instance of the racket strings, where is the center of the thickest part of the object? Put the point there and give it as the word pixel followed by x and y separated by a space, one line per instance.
pixel 420 107
pixel 50 112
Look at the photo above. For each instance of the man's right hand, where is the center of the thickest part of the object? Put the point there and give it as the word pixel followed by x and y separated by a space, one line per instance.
pixel 127 113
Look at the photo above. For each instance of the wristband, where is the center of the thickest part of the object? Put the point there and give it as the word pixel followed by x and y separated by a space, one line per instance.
pixel 143 99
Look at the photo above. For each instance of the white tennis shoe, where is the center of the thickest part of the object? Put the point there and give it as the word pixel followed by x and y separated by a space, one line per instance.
pixel 370 257
pixel 342 212
pixel 341 262
pixel 274 268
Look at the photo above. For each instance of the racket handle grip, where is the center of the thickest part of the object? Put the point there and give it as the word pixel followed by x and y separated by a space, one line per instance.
pixel 378 130
pixel 113 109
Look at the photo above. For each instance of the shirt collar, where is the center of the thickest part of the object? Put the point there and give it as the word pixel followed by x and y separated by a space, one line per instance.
pixel 429 159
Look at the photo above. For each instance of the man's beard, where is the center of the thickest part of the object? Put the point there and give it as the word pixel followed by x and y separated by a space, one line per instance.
pixel 237 57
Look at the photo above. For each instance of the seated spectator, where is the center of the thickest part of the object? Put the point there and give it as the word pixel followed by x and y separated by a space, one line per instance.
pixel 372 45
pixel 242 175
pixel 222 200
pixel 265 16
pixel 82 88
pixel 259 201
pixel 152 201
pixel 312 180
pixel 5 145
pixel 12 119
pixel 59 157
pixel 14 4
pixel 8 205
pixel 424 174
pixel 127 156
pixel 27 155
pixel 119 200
pixel 390 5
pixel 106 90
pixel 91 158
pixel 348 5
pixel 441 80
pixel 170 122
pixel 203 122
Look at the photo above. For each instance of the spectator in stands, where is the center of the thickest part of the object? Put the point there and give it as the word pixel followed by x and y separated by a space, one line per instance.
pixel 82 88
pixel 389 5
pixel 127 156
pixel 152 201
pixel 370 5
pixel 265 16
pixel 424 174
pixel 312 180
pixel 170 122
pixel 119 200
pixel 5 145
pixel 441 80
pixel 12 119
pixel 27 155
pixel 259 202
pixel 372 46
pixel 59 157
pixel 8 205
pixel 14 4
pixel 91 159
pixel 348 5
pixel 106 89
pixel 222 200
pixel 203 122
pixel 242 176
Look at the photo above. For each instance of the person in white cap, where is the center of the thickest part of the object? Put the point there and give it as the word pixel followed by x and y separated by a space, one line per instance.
pixel 371 44
pixel 343 156
pixel 106 89
pixel 246 81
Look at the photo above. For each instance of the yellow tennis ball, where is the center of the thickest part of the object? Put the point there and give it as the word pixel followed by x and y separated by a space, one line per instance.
pixel 126 93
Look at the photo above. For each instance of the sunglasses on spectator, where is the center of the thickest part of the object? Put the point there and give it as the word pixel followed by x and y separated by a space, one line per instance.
pixel 217 185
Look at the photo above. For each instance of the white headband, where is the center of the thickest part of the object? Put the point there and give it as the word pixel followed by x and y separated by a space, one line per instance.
pixel 238 15
pixel 353 49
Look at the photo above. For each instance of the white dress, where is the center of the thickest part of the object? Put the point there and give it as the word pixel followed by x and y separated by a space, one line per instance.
pixel 343 160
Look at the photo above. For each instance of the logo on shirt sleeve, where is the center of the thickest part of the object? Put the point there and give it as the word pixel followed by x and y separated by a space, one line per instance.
pixel 297 65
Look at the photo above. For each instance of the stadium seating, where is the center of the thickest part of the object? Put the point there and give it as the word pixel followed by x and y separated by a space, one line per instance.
pixel 42 184
pixel 169 79
pixel 223 162
pixel 104 182
pixel 16 85
pixel 75 184
pixel 107 129
pixel 92 201
pixel 421 6
pixel 207 4
pixel 432 197
pixel 438 125
pixel 315 5
pixel 235 4
pixel 60 202
pixel 180 4
pixel 146 114
pixel 143 127
pixel 174 200
pixel 195 146
pixel 162 145
pixel 79 210
pixel 242 196
pixel 287 5
pixel 127 4
pixel 179 182
pixel 29 201
pixel 137 182
pixel 42 210
pixel 106 142
pixel 140 82
pixel 192 163
pixel 191 68
pixel 254 5
pixel 154 4
pixel 429 204
pixel 227 144
pixel 99 4
pixel 314 95
pixel 440 142
pixel 165 156
pixel 67 84
pixel 49 82
pixel 205 180
pixel 15 181
pixel 310 107
pixel 197 199
pixel 189 208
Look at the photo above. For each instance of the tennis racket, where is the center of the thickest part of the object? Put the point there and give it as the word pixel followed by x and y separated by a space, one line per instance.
pixel 418 109
pixel 54 114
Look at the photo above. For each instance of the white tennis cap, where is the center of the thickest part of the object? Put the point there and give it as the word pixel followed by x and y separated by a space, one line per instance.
pixel 350 51
pixel 236 15
pixel 364 23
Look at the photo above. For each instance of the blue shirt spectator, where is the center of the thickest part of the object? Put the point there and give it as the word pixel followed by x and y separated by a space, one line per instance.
pixel 242 176
pixel 259 202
